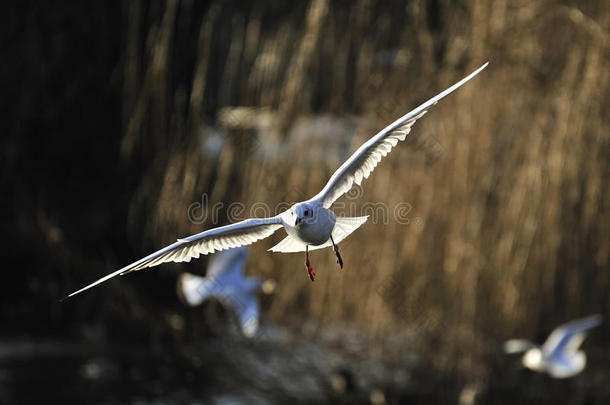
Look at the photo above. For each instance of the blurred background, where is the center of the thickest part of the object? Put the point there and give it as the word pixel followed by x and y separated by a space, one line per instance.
pixel 127 124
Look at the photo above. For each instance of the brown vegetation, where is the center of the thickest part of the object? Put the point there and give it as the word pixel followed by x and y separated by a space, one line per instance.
pixel 508 179
pixel 508 230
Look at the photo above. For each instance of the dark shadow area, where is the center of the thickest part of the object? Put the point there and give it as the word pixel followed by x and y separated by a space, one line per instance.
pixel 128 124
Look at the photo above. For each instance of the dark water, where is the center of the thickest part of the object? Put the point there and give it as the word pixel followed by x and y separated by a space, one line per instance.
pixel 222 371
pixel 331 366
pixel 275 367
pixel 63 372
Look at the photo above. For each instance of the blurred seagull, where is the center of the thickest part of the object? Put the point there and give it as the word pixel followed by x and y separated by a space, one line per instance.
pixel 309 224
pixel 559 355
pixel 225 281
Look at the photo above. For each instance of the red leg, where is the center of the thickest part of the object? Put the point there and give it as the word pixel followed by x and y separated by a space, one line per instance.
pixel 310 272
pixel 336 249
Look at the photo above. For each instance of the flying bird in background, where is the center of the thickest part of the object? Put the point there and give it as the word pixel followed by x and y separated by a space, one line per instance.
pixel 309 224
pixel 559 356
pixel 225 281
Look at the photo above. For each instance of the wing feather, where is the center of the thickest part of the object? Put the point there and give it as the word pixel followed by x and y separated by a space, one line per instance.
pixel 365 159
pixel 239 234
pixel 570 335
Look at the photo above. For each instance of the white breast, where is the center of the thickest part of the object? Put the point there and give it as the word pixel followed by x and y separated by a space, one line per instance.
pixel 314 231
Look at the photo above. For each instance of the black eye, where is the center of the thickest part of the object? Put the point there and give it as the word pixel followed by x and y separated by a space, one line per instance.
pixel 306 213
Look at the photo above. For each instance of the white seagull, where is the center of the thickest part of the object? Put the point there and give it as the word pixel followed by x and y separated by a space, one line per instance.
pixel 225 282
pixel 309 224
pixel 559 355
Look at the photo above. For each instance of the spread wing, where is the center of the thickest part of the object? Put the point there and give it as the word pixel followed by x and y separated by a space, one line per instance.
pixel 248 315
pixel 360 165
pixel 231 261
pixel 225 237
pixel 568 337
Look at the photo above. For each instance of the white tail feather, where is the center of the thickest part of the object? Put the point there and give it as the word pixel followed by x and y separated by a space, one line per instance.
pixel 189 289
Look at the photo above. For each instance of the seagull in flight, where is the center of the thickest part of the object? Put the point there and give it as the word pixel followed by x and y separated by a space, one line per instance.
pixel 225 281
pixel 559 355
pixel 309 224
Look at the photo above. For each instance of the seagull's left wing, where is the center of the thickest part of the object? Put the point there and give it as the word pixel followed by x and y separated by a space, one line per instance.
pixel 225 237
pixel 569 336
pixel 363 161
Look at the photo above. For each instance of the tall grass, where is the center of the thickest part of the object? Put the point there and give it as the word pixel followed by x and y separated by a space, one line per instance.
pixel 508 178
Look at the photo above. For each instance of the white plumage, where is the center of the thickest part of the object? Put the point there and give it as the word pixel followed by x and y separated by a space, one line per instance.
pixel 309 224
pixel 225 282
pixel 559 356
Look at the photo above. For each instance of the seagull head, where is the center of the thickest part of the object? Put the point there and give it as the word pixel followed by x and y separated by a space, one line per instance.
pixel 533 359
pixel 302 212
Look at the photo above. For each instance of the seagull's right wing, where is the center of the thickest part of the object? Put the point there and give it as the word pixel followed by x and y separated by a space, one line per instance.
pixel 569 336
pixel 362 162
pixel 225 237
pixel 247 314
